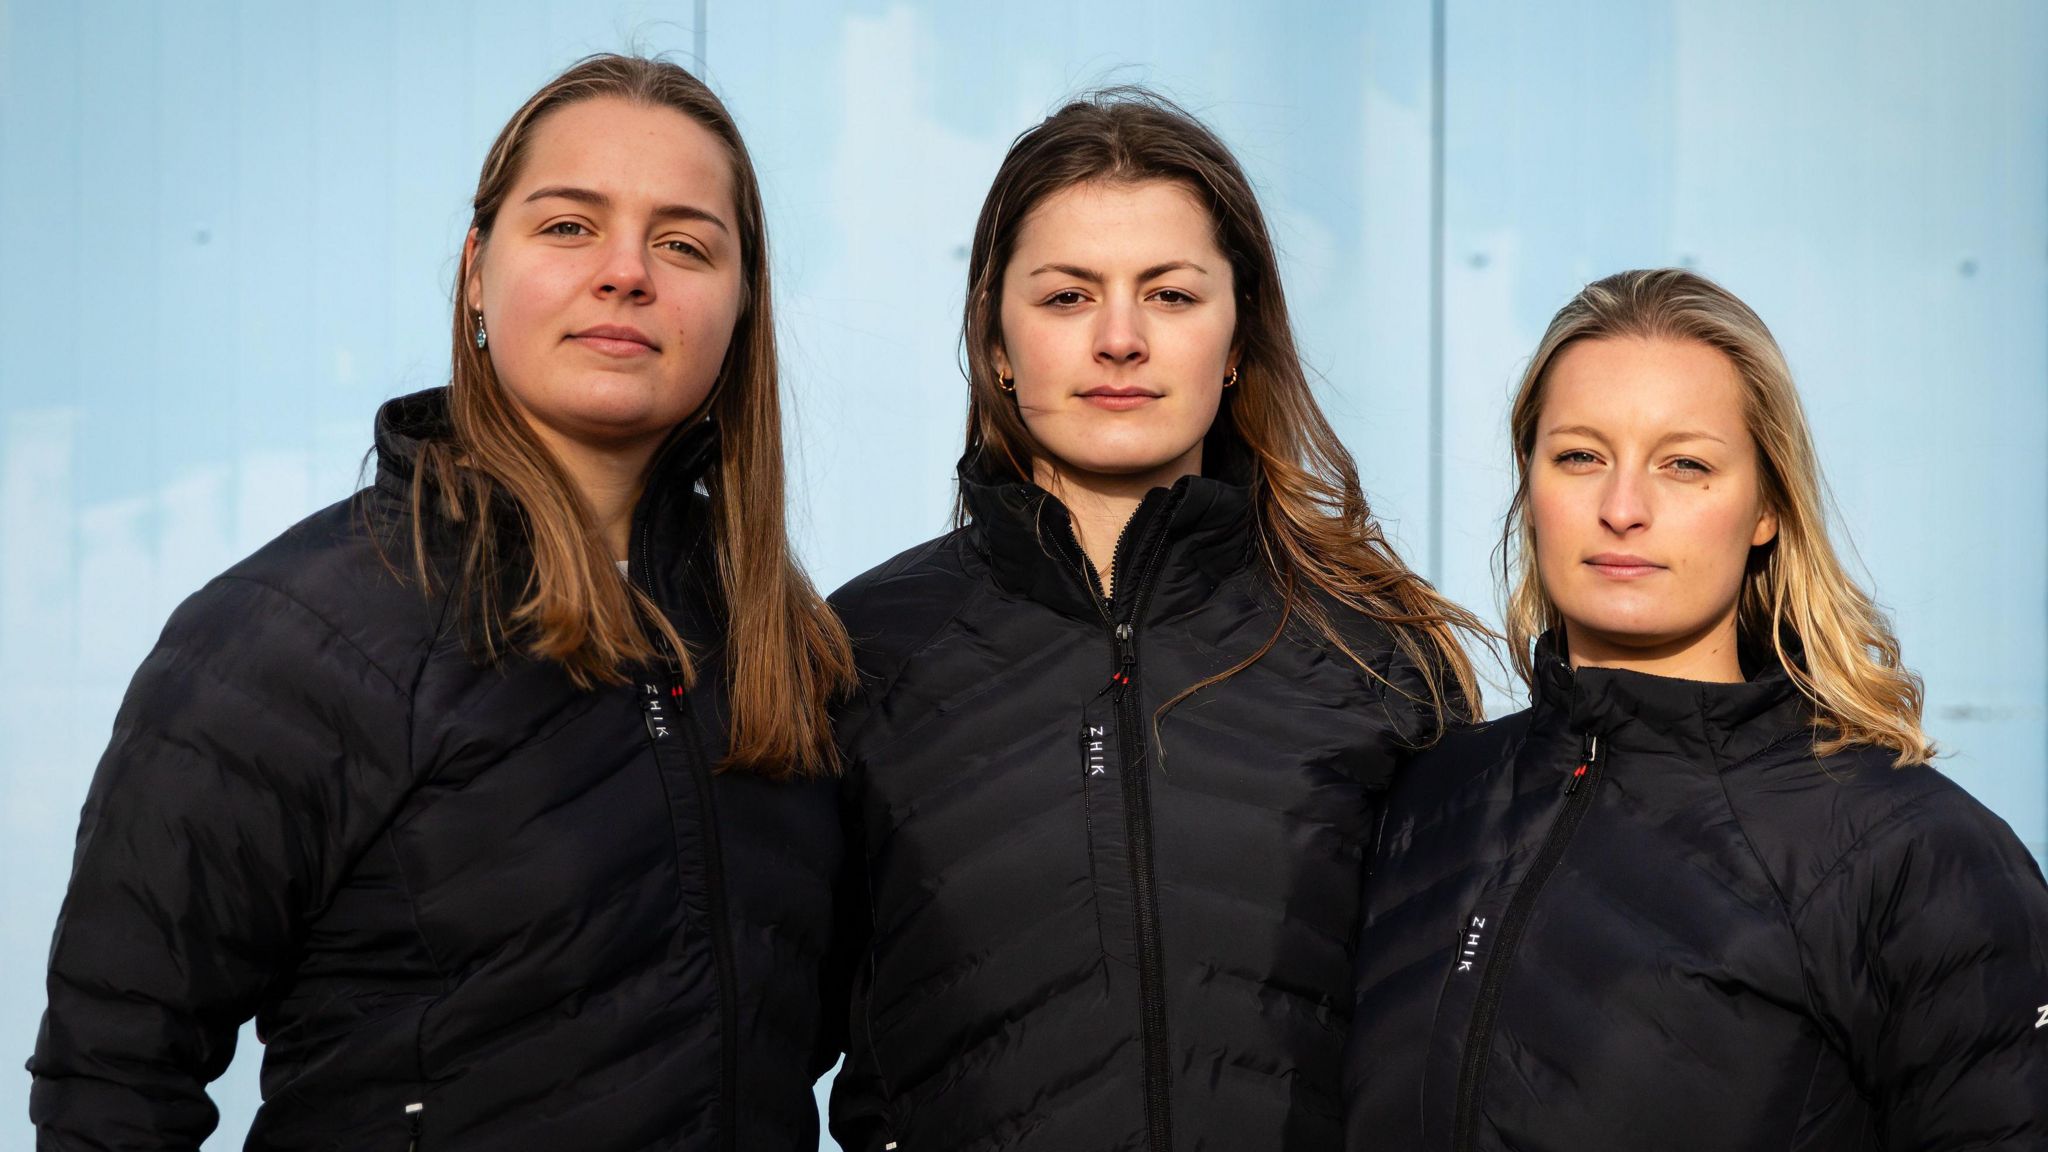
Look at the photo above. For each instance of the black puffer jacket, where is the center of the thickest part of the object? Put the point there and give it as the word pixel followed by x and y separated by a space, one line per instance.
pixel 1073 945
pixel 1705 939
pixel 532 911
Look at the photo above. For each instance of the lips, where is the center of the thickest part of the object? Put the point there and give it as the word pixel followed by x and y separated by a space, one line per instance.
pixel 1622 565
pixel 1119 399
pixel 616 340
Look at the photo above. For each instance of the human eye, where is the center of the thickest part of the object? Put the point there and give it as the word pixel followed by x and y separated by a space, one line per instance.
pixel 1689 468
pixel 1173 296
pixel 1066 298
pixel 566 228
pixel 1575 458
pixel 682 247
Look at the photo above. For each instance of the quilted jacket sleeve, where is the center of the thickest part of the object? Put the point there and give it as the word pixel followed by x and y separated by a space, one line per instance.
pixel 256 752
pixel 1929 954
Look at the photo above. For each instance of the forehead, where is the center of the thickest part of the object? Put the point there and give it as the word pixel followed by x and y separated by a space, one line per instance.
pixel 630 152
pixel 1644 386
pixel 1147 221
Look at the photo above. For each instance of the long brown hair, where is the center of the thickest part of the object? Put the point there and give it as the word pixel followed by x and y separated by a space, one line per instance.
pixel 786 652
pixel 1312 526
pixel 1797 600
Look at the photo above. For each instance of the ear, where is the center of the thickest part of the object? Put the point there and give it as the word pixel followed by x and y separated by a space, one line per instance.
pixel 1766 529
pixel 472 281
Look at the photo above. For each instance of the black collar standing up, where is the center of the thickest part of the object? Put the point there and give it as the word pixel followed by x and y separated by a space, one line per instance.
pixel 1180 544
pixel 1710 724
pixel 671 521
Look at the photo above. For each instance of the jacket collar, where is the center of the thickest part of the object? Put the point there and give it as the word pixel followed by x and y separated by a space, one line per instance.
pixel 1179 545
pixel 1714 725
pixel 669 522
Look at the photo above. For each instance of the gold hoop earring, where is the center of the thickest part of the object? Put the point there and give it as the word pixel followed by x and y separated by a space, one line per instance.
pixel 1230 380
pixel 1006 383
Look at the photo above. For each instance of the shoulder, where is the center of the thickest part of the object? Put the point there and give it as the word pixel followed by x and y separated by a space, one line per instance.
pixel 1462 755
pixel 1823 823
pixel 324 586
pixel 1411 682
pixel 892 608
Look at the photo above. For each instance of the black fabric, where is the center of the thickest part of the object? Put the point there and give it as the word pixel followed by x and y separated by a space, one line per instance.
pixel 478 889
pixel 1000 999
pixel 1740 944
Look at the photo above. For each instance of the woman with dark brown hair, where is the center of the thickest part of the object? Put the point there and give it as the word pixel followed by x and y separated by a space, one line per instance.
pixel 1115 759
pixel 500 794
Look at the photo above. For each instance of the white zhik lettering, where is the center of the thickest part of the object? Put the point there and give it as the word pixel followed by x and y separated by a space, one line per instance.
pixel 2043 1021
pixel 1470 949
pixel 1095 760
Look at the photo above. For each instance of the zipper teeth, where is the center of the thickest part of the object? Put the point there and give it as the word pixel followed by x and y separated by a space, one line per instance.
pixel 1479 1039
pixel 714 881
pixel 1137 814
pixel 728 1007
pixel 1138 822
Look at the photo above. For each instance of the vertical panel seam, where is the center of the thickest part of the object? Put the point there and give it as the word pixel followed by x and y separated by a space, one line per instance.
pixel 1437 54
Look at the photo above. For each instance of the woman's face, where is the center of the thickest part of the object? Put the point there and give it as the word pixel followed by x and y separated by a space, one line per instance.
pixel 1117 317
pixel 1645 498
pixel 610 282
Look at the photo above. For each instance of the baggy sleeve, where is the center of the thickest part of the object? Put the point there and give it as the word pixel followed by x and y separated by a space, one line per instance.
pixel 256 752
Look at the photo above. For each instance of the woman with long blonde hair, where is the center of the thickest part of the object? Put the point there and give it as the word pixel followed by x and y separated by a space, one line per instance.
pixel 1122 734
pixel 1707 892
pixel 500 794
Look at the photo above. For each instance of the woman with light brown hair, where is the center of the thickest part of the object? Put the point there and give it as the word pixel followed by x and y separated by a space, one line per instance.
pixel 500 794
pixel 1707 892
pixel 1115 760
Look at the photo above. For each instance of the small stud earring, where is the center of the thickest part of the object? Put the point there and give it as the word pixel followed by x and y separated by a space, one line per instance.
pixel 481 339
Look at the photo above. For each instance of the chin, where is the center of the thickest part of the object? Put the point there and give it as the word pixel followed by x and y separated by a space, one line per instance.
pixel 623 408
pixel 1637 632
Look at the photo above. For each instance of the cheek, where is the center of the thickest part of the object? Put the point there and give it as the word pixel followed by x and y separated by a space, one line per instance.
pixel 703 311
pixel 1553 516
pixel 522 295
pixel 1718 532
pixel 1040 353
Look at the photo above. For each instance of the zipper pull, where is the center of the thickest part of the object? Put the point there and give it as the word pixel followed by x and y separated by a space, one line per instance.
pixel 1587 759
pixel 412 1112
pixel 1126 654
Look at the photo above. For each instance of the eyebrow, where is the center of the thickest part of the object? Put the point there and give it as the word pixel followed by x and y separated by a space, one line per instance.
pixel 1667 438
pixel 600 200
pixel 1094 277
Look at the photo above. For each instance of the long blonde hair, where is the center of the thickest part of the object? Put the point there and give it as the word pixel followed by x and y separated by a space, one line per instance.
pixel 1797 599
pixel 787 654
pixel 1313 527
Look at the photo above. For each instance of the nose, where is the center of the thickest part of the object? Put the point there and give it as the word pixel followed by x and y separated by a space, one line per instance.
pixel 1119 334
pixel 624 272
pixel 1625 502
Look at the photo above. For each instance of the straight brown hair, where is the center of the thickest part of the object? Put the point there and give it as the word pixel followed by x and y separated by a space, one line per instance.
pixel 786 652
pixel 1312 525
pixel 1798 601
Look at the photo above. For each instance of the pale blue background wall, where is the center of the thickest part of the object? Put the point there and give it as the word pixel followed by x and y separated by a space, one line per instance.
pixel 229 232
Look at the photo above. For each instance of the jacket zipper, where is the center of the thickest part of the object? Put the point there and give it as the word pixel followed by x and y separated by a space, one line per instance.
pixel 1136 780
pixel 414 1113
pixel 1579 789
pixel 714 882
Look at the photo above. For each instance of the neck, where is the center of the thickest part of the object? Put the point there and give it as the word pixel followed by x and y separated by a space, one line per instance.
pixel 1709 655
pixel 1100 504
pixel 609 479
